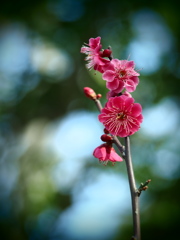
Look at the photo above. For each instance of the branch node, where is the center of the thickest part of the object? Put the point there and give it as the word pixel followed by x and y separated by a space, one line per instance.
pixel 143 187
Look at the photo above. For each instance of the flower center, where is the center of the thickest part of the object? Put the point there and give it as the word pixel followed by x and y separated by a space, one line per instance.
pixel 122 73
pixel 121 116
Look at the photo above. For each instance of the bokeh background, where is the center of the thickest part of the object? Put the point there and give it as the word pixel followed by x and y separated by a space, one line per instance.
pixel 51 187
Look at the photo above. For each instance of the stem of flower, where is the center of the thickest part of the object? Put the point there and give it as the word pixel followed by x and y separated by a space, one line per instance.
pixel 133 190
pixel 98 104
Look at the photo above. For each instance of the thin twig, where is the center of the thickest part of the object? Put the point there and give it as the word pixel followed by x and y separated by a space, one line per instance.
pixel 134 191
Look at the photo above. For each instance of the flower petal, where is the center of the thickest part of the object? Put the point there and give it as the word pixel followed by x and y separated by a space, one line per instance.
pixel 112 85
pixel 120 87
pixel 100 152
pixel 136 110
pixel 118 103
pixel 130 86
pixel 109 67
pixel 135 79
pixel 122 63
pixel 129 103
pixel 94 42
pixel 114 157
pixel 130 64
pixel 140 118
pixel 108 75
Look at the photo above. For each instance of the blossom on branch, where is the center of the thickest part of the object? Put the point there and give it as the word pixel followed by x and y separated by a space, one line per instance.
pixel 90 93
pixel 121 116
pixel 120 74
pixel 105 153
pixel 95 54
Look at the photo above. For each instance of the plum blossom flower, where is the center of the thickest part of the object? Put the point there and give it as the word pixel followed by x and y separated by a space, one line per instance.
pixel 121 116
pixel 120 74
pixel 105 153
pixel 94 54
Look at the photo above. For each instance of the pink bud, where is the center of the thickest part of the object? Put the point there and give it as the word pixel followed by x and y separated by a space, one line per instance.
pixel 89 92
pixel 106 131
pixel 99 96
pixel 106 138
pixel 106 53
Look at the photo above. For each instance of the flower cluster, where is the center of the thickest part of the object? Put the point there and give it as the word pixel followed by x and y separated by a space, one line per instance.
pixel 118 74
pixel 120 116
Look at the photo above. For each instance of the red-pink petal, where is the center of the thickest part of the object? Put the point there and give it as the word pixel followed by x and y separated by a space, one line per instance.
pixel 102 117
pixel 123 133
pixel 112 85
pixel 94 42
pixel 130 86
pixel 120 87
pixel 130 64
pixel 129 103
pixel 108 75
pixel 108 67
pixel 136 110
pixel 115 62
pixel 118 103
pixel 85 49
pixel 114 157
pixel 135 79
pixel 140 118
pixel 100 152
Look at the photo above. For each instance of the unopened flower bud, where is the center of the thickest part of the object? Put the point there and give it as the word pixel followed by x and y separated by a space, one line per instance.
pixel 145 188
pixel 106 138
pixel 99 96
pixel 106 53
pixel 89 92
pixel 106 131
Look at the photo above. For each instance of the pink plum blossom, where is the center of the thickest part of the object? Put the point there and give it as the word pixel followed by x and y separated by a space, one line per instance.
pixel 121 116
pixel 105 153
pixel 120 74
pixel 94 54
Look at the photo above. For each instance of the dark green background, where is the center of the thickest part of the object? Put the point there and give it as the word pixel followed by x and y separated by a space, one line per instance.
pixel 67 25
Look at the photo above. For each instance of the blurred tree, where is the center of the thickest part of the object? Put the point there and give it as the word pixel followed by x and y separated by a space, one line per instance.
pixel 42 74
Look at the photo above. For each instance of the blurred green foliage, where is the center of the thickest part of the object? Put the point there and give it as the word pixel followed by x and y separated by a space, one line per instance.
pixel 41 94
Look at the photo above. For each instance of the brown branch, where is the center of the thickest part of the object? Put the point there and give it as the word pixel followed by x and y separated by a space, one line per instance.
pixel 133 190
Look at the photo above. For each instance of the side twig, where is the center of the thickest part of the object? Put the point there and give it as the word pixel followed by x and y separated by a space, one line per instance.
pixel 143 187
